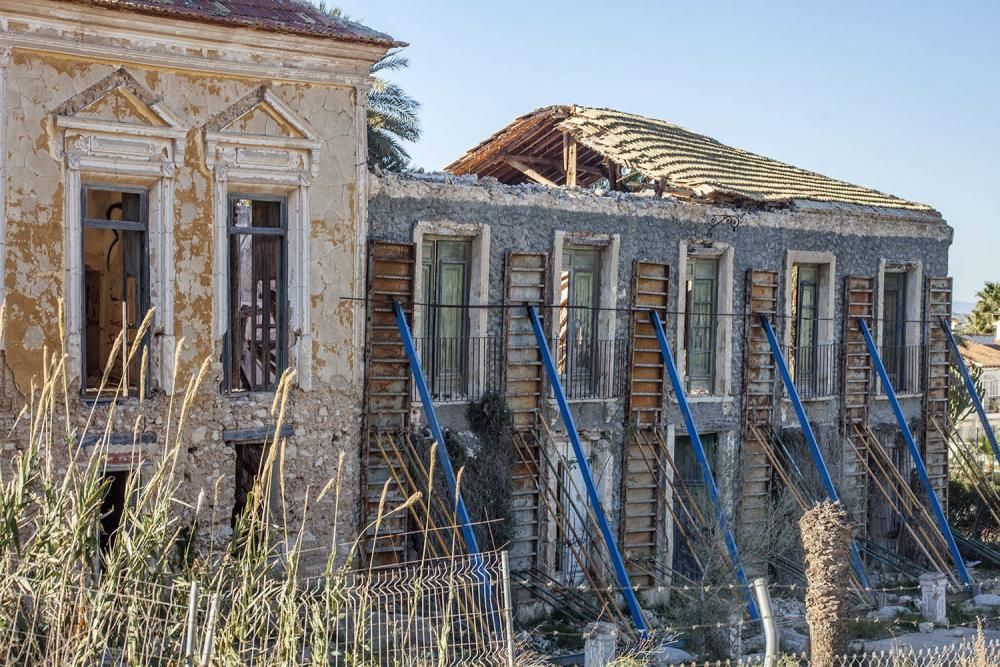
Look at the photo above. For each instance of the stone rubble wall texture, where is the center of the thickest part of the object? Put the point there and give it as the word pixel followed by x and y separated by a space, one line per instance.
pixel 525 218
pixel 826 537
pixel 325 420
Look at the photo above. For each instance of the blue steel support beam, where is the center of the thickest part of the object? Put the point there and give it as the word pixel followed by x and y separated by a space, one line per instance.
pixel 915 455
pixel 706 468
pixel 970 387
pixel 432 421
pixel 595 501
pixel 807 431
pixel 468 534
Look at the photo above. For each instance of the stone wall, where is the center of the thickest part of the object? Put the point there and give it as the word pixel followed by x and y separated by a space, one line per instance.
pixel 531 218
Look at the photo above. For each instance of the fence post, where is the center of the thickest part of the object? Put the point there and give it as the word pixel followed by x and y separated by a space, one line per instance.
pixel 934 597
pixel 599 646
pixel 208 647
pixel 189 636
pixel 767 620
pixel 508 605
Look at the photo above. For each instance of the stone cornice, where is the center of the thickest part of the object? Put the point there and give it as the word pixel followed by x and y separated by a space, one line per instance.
pixel 854 220
pixel 101 35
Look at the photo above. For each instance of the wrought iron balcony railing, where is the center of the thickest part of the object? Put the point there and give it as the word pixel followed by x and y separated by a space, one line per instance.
pixel 904 364
pixel 595 370
pixel 461 369
pixel 815 369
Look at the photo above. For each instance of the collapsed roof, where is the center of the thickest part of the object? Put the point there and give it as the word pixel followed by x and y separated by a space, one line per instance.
pixel 632 152
pixel 287 16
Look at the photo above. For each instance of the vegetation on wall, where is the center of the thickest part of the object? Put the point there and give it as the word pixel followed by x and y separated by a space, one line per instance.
pixel 486 480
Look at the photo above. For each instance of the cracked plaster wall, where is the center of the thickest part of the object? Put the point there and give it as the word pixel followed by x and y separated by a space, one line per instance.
pixel 325 420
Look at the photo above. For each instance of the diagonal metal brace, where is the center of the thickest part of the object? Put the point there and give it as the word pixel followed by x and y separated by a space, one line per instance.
pixel 706 468
pixel 595 500
pixel 970 388
pixel 918 460
pixel 807 431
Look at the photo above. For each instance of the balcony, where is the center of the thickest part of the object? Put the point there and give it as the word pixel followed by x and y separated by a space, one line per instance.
pixel 904 364
pixel 594 371
pixel 815 369
pixel 461 369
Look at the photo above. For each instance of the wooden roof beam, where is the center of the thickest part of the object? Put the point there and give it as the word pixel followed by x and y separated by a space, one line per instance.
pixel 529 172
pixel 569 159
pixel 552 163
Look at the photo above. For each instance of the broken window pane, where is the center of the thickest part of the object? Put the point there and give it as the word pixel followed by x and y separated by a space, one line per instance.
pixel 257 337
pixel 578 319
pixel 115 285
pixel 249 459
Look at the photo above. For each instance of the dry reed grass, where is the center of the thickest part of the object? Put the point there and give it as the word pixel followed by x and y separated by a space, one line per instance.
pixel 63 602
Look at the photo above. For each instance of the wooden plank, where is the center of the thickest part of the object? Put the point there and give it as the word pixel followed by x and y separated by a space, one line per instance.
pixel 524 283
pixel 528 171
pixel 759 378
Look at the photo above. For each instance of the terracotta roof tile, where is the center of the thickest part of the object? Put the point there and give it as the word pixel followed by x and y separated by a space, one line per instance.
pixel 987 356
pixel 288 16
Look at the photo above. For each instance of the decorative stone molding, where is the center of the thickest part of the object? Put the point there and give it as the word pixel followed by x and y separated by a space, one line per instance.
pixel 146 148
pixel 4 63
pixel 287 163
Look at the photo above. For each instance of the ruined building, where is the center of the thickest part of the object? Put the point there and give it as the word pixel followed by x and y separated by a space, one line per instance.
pixel 208 159
pixel 591 214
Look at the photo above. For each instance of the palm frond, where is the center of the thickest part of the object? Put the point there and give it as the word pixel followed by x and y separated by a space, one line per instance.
pixel 391 61
pixel 392 113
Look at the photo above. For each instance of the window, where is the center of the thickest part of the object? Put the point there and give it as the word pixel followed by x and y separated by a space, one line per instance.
pixel 701 317
pixel 115 285
pixel 579 286
pixel 894 350
pixel 691 500
pixel 257 338
pixel 116 494
pixel 444 344
pixel 804 360
pixel 249 460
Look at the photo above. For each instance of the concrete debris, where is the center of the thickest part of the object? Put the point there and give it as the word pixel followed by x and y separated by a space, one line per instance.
pixel 670 655
pixel 793 641
pixel 985 600
pixel 889 612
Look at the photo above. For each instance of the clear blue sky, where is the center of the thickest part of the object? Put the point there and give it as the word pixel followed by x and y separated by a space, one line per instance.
pixel 903 97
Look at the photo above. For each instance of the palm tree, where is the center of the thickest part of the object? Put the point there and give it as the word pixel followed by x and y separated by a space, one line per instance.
pixel 392 112
pixel 984 316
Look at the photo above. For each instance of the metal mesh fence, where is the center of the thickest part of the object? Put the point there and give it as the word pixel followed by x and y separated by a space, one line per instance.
pixel 447 612
pixel 977 653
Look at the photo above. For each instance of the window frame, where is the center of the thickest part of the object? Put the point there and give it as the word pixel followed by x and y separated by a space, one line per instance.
pixel 282 324
pixel 709 381
pixel 431 292
pixel 800 285
pixel 145 292
pixel 589 376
